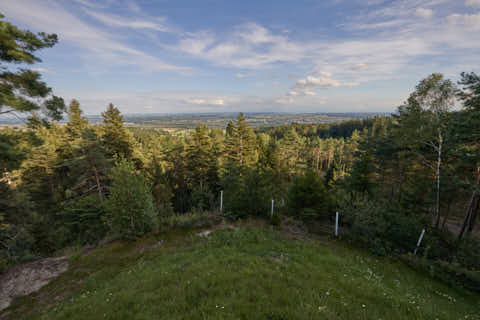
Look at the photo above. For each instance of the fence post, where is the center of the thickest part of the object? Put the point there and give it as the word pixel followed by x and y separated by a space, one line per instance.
pixel 221 200
pixel 271 213
pixel 419 241
pixel 336 224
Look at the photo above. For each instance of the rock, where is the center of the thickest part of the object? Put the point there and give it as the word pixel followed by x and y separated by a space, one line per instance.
pixel 204 233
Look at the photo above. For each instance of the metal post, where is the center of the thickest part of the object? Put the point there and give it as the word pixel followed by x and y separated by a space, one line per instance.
pixel 221 200
pixel 336 224
pixel 271 213
pixel 419 241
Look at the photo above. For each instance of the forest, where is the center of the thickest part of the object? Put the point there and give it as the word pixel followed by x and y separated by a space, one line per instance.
pixel 76 183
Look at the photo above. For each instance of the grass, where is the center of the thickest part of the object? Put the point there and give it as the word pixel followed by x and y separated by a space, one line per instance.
pixel 246 273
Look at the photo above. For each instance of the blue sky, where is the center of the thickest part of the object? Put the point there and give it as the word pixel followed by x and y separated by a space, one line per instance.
pixel 225 55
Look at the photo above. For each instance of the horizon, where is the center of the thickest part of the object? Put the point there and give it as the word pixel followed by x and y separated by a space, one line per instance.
pixel 215 56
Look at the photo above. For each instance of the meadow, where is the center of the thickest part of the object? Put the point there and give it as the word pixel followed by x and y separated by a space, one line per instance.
pixel 245 272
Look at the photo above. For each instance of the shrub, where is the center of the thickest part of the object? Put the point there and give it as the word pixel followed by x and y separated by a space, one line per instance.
pixel 384 229
pixel 450 273
pixel 129 207
pixel 308 198
pixel 468 253
pixel 250 193
pixel 85 220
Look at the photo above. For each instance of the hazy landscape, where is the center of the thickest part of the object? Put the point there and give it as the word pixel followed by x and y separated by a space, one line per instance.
pixel 176 122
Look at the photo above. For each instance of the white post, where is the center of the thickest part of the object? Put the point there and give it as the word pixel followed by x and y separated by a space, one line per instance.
pixel 336 224
pixel 271 213
pixel 221 200
pixel 419 241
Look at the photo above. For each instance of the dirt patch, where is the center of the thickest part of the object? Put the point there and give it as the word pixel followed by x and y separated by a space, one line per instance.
pixel 30 277
pixel 222 226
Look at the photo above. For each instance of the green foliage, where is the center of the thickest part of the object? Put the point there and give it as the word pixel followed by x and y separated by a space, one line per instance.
pixel 240 143
pixel 85 220
pixel 249 192
pixel 245 273
pixel 468 253
pixel 384 229
pixel 130 208
pixel 116 137
pixel 22 91
pixel 189 220
pixel 308 198
pixel 451 273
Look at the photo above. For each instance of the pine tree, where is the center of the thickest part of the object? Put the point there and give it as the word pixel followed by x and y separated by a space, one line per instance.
pixel 240 144
pixel 116 137
pixel 202 166
pixel 130 206
pixel 467 129
pixel 76 123
pixel 22 92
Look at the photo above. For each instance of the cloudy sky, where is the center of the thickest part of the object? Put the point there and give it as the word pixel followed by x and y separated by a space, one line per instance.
pixel 249 55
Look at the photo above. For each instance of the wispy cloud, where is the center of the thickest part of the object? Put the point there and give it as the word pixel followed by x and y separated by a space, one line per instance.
pixel 91 40
pixel 90 4
pixel 118 21
pixel 248 46
pixel 424 13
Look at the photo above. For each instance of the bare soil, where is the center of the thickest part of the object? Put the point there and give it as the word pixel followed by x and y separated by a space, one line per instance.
pixel 24 279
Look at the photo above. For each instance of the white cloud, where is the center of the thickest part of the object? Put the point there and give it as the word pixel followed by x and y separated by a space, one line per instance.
pixel 209 102
pixel 378 25
pixel 196 43
pixel 90 4
pixel 241 75
pixel 309 93
pixel 94 43
pixel 359 67
pixel 469 21
pixel 473 3
pixel 42 70
pixel 424 13
pixel 248 46
pixel 321 80
pixel 118 21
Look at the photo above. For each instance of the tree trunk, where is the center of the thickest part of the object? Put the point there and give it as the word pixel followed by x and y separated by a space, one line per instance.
pixel 439 161
pixel 472 210
pixel 473 214
pixel 447 214
pixel 97 180
pixel 466 221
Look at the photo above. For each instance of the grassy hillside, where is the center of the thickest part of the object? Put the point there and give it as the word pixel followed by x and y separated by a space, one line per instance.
pixel 246 273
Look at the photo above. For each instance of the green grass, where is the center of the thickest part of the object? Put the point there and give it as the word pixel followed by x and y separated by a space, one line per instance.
pixel 247 273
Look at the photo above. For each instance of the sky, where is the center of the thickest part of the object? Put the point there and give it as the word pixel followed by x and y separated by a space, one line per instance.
pixel 162 56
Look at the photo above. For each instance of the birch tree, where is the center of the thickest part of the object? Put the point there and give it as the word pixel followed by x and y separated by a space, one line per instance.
pixel 423 123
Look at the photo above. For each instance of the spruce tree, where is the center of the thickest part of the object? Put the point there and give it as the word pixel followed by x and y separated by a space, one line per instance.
pixel 240 143
pixel 130 207
pixel 116 137
pixel 76 123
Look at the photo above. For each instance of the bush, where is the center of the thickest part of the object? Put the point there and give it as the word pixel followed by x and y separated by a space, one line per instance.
pixel 468 253
pixel 85 220
pixel 450 273
pixel 129 207
pixel 308 198
pixel 250 193
pixel 384 229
